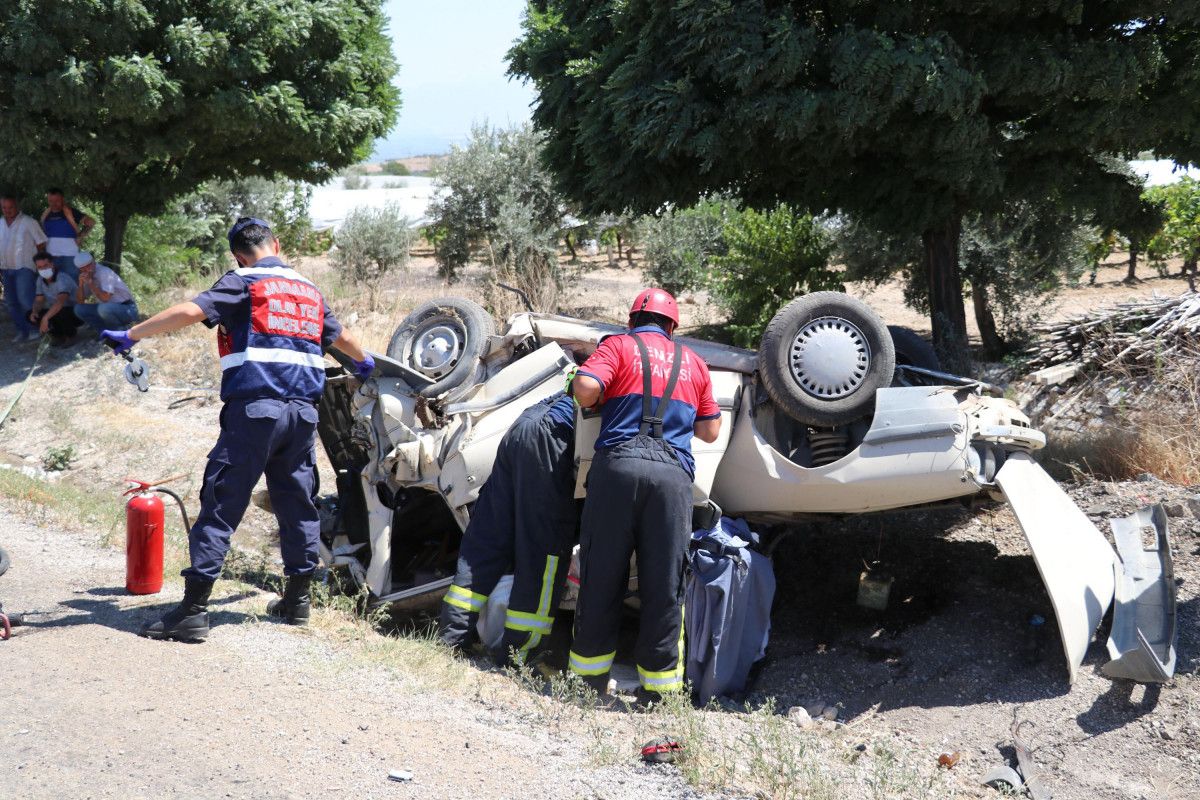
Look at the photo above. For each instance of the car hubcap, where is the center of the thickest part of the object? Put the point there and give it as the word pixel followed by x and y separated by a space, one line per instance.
pixel 436 350
pixel 830 358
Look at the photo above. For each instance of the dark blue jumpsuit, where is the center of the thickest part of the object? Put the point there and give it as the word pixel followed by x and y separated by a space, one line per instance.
pixel 525 522
pixel 274 327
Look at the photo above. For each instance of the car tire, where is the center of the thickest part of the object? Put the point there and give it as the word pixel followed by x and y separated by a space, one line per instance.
pixel 859 358
pixel 912 350
pixel 443 339
pixel 4 562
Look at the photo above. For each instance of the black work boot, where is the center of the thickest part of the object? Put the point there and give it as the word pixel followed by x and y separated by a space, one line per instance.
pixel 187 622
pixel 296 603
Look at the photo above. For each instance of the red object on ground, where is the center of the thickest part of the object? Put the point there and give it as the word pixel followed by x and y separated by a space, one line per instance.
pixel 5 628
pixel 143 541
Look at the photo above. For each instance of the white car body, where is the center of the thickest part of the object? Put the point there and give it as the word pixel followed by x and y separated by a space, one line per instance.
pixel 946 439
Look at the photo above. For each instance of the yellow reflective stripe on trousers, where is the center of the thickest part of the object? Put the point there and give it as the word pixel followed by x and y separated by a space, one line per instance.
pixel 542 621
pixel 669 679
pixel 594 665
pixel 524 621
pixel 465 599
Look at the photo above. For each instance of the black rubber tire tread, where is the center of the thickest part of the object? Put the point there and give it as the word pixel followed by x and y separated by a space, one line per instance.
pixel 912 350
pixel 775 347
pixel 477 324
pixel 4 561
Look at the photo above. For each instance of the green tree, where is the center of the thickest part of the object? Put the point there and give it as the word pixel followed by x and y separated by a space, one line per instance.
pixel 371 243
pixel 771 257
pixel 132 103
pixel 496 169
pixel 1180 233
pixel 679 245
pixel 908 115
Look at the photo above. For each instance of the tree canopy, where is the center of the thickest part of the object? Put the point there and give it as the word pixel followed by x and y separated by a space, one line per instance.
pixel 907 115
pixel 135 102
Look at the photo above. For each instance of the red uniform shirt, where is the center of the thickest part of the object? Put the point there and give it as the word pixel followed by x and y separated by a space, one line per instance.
pixel 617 365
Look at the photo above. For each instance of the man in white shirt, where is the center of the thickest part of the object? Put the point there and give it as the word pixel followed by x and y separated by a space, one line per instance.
pixel 20 237
pixel 114 309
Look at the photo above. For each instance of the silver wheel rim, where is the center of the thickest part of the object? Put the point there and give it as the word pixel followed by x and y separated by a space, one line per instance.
pixel 436 350
pixel 830 358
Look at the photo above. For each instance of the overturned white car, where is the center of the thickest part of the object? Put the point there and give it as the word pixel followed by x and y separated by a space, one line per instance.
pixel 836 414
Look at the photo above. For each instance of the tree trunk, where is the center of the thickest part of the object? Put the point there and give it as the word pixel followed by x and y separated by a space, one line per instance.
pixel 993 344
pixel 946 310
pixel 619 246
pixel 114 236
pixel 1189 270
pixel 1131 276
pixel 570 246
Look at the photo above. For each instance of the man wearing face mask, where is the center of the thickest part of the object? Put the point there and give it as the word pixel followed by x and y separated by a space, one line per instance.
pixel 53 301
pixel 273 326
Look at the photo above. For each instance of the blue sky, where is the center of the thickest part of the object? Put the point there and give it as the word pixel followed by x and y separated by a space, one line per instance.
pixel 451 55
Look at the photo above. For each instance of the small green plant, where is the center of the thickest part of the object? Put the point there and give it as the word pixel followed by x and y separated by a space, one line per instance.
pixel 371 243
pixel 355 181
pixel 394 184
pixel 58 459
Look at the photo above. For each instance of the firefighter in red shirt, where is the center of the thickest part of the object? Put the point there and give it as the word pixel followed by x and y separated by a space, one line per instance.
pixel 654 395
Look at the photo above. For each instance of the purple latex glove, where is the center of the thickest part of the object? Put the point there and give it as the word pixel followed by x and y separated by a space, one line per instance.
pixel 364 368
pixel 119 341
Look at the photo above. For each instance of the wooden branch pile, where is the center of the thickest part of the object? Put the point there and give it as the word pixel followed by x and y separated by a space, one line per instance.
pixel 1088 365
pixel 1135 335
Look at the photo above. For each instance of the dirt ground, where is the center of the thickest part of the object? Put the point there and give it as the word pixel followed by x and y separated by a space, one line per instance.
pixel 261 710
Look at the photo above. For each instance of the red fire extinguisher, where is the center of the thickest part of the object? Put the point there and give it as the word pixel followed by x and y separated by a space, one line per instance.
pixel 144 525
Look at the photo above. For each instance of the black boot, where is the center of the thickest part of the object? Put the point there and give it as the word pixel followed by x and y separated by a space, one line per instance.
pixel 296 603
pixel 187 622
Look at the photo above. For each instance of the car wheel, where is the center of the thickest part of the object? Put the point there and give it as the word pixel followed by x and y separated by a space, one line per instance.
pixel 912 350
pixel 823 356
pixel 443 340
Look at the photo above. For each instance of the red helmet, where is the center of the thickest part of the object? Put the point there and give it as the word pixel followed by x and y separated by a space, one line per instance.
pixel 656 301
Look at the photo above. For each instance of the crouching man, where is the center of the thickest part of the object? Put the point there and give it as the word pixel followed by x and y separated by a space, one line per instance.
pixel 114 306
pixel 53 302
pixel 524 523
pixel 272 327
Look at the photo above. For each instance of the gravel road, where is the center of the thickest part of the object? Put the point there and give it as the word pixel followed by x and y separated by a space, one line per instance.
pixel 91 710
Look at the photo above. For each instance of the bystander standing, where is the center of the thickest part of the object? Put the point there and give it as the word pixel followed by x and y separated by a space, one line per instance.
pixel 66 227
pixel 20 238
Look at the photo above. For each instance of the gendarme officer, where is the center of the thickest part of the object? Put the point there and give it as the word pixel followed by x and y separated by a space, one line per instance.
pixel 273 326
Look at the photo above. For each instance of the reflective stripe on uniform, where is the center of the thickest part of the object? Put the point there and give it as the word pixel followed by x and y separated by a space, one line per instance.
pixel 465 599
pixel 275 272
pixel 670 679
pixel 540 622
pixel 523 621
pixel 273 355
pixel 595 665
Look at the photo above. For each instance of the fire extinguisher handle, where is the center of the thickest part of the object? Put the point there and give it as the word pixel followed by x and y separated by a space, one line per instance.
pixel 187 526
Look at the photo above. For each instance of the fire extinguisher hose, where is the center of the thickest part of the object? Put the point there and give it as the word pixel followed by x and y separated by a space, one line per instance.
pixel 187 526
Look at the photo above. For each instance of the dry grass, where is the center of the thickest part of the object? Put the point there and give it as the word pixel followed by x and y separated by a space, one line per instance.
pixel 1156 430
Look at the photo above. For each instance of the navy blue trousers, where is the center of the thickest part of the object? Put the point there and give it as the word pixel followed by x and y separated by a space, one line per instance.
pixel 524 522
pixel 271 437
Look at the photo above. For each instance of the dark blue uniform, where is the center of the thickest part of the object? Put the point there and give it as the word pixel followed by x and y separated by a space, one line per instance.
pixel 273 328
pixel 525 523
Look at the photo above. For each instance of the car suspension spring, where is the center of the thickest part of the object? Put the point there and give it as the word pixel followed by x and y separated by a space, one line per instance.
pixel 828 445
